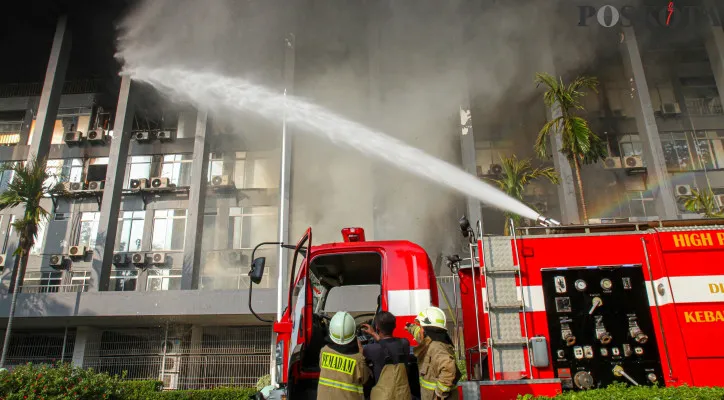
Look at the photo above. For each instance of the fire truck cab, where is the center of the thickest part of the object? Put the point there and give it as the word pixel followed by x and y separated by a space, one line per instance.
pixel 394 276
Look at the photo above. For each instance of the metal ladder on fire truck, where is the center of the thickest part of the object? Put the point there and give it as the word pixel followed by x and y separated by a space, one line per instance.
pixel 504 305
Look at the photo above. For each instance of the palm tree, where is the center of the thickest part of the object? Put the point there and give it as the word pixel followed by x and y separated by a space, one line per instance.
pixel 516 175
pixel 702 201
pixel 579 144
pixel 28 187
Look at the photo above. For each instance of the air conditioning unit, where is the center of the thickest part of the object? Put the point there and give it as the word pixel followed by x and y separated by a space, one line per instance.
pixel 495 169
pixel 670 109
pixel 73 137
pixel 159 183
pixel 67 186
pixel 633 162
pixel 719 198
pixel 612 163
pixel 96 186
pixel 120 259
pixel 77 186
pixel 221 180
pixel 158 258
pixel 164 136
pixel 77 251
pixel 142 136
pixel 138 184
pixel 3 257
pixel 97 136
pixel 683 190
pixel 138 258
pixel 56 260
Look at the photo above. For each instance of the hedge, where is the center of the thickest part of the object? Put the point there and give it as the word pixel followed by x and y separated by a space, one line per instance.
pixel 65 382
pixel 620 391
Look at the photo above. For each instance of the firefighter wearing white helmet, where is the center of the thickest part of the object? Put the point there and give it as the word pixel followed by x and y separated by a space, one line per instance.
pixel 435 354
pixel 343 371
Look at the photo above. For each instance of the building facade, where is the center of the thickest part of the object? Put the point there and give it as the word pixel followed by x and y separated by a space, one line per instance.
pixel 144 266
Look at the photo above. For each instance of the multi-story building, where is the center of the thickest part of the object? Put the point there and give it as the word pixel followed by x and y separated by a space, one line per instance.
pixel 143 268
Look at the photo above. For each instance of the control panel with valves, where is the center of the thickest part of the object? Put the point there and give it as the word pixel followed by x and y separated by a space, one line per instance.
pixel 602 319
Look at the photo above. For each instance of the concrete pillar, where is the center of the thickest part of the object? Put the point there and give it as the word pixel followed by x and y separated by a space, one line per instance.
pixel 197 202
pixel 52 88
pixel 110 206
pixel 87 344
pixel 658 176
pixel 467 146
pixel 27 123
pixel 714 41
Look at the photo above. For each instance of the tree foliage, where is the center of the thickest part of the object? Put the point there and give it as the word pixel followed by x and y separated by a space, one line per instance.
pixel 703 202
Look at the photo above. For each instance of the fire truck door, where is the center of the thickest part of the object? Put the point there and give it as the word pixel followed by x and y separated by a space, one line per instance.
pixel 299 295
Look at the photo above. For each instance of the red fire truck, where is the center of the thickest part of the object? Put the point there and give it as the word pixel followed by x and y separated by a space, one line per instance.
pixel 545 310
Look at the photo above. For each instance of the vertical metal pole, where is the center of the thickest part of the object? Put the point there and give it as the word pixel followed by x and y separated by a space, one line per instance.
pixel 284 192
pixel 475 298
pixel 163 359
pixel 65 339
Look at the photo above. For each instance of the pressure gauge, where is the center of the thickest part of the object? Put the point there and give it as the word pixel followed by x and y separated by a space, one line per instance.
pixel 581 285
pixel 606 284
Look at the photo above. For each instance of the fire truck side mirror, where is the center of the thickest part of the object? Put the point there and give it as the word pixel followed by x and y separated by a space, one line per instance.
pixel 257 269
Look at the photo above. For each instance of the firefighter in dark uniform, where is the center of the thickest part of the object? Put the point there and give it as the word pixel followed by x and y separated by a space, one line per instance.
pixel 435 354
pixel 343 371
pixel 388 356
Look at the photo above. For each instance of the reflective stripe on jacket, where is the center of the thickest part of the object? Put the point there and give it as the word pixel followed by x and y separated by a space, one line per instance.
pixel 341 376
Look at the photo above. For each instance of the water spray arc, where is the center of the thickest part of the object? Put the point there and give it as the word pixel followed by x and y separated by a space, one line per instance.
pixel 230 96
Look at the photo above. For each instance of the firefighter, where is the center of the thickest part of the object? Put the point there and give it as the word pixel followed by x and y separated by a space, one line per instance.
pixel 343 371
pixel 388 357
pixel 435 355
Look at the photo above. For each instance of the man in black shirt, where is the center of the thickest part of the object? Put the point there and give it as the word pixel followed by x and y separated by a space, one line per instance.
pixel 388 356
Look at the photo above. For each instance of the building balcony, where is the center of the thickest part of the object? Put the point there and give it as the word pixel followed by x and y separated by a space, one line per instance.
pixel 704 106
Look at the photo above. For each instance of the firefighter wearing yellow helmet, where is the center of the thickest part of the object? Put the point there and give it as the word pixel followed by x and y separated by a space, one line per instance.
pixel 343 371
pixel 435 354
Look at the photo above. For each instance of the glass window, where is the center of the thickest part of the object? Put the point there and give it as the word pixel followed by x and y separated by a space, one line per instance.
pixel 710 147
pixel 265 173
pixel 8 231
pixel 88 229
pixel 10 132
pixel 240 170
pixel 130 231
pixel 169 230
pixel 216 165
pixel 163 279
pixel 177 168
pixel 40 239
pixel 42 282
pixel 641 203
pixel 6 176
pixel 208 241
pixel 65 170
pixel 123 280
pixel 139 167
pixel 251 225
pixel 676 151
pixel 630 145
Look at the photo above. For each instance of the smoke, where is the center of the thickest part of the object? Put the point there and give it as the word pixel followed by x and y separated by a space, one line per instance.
pixel 402 66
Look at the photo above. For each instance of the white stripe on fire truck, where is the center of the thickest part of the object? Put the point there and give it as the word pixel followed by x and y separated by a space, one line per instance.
pixel 408 302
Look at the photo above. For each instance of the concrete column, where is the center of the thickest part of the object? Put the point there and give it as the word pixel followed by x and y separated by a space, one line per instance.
pixel 110 206
pixel 197 202
pixel 87 344
pixel 467 146
pixel 648 131
pixel 52 88
pixel 27 123
pixel 567 197
pixel 714 41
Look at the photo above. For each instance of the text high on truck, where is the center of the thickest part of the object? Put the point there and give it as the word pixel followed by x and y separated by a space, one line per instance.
pixel 546 310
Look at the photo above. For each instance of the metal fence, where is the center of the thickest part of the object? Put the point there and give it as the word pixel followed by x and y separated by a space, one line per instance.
pixel 708 106
pixel 72 288
pixel 220 356
pixel 40 347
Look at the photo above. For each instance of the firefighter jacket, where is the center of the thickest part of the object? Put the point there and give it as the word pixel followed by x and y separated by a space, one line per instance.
pixel 438 370
pixel 392 383
pixel 341 376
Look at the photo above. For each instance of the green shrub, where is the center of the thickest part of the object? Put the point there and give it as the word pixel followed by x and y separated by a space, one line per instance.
pixel 621 391
pixel 210 394
pixel 60 381
pixel 140 390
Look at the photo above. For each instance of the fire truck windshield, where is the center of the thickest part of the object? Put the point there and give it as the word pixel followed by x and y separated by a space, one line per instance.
pixel 346 282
